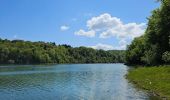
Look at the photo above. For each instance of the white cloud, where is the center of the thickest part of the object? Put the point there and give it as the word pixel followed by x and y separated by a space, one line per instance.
pixel 64 28
pixel 122 46
pixel 104 21
pixel 122 42
pixel 130 30
pixel 110 26
pixel 102 46
pixel 84 33
pixel 107 26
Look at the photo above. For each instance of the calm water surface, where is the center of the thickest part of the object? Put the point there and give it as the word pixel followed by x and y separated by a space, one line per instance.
pixel 67 82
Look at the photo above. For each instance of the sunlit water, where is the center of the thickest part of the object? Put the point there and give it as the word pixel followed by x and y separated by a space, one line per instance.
pixel 67 82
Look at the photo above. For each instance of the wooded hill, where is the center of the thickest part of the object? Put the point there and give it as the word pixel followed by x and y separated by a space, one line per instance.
pixel 26 52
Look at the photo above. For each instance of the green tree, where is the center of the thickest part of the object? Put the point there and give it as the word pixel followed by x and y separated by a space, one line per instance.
pixel 156 38
pixel 135 51
pixel 166 57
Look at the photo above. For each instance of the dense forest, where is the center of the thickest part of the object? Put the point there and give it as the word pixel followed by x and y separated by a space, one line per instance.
pixel 26 52
pixel 153 47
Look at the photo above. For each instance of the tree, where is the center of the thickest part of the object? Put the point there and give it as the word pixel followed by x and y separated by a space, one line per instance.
pixel 156 38
pixel 166 57
pixel 135 51
pixel 27 52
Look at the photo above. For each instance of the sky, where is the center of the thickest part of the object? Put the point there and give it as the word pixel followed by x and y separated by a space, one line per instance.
pixel 100 24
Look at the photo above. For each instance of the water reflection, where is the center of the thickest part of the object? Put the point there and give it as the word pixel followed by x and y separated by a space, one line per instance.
pixel 67 82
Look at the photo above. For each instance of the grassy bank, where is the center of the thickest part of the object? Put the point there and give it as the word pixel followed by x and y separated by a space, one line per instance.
pixel 153 79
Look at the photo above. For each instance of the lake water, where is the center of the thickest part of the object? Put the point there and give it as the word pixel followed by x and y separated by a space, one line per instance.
pixel 67 82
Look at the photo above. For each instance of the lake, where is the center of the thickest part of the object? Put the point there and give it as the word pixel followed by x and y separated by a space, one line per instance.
pixel 67 82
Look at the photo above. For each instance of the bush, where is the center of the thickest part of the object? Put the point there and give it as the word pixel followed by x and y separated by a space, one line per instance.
pixel 166 57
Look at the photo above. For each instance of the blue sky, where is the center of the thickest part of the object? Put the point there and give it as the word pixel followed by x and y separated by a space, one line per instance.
pixel 107 24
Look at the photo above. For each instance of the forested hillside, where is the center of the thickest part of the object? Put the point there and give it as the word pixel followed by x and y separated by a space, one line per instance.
pixel 153 47
pixel 26 52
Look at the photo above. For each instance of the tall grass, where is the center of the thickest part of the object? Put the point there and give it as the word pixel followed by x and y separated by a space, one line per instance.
pixel 154 79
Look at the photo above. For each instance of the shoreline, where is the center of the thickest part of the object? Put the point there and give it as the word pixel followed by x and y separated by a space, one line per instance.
pixel 154 80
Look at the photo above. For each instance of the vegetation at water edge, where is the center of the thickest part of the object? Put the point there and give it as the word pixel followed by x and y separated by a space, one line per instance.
pixel 154 79
pixel 26 52
pixel 153 48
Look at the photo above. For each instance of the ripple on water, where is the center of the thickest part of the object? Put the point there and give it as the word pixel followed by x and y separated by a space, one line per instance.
pixel 68 82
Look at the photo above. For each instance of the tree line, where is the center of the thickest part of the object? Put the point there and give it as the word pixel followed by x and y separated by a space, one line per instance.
pixel 153 47
pixel 27 52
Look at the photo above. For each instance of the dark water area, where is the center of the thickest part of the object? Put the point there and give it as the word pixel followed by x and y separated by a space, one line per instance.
pixel 67 82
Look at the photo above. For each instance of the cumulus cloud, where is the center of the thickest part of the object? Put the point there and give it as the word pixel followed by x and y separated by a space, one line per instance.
pixel 84 33
pixel 64 28
pixel 110 26
pixel 104 21
pixel 130 30
pixel 102 46
pixel 107 26
pixel 122 46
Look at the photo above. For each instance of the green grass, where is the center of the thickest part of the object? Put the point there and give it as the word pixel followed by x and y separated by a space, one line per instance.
pixel 154 79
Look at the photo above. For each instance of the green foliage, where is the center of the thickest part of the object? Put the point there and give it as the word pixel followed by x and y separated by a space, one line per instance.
pixel 155 79
pixel 166 57
pixel 26 52
pixel 150 56
pixel 135 51
pixel 156 39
